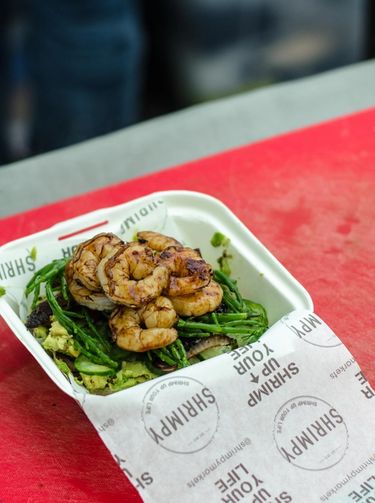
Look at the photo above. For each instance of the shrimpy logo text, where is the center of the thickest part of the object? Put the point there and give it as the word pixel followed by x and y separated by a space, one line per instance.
pixel 180 414
pixel 310 433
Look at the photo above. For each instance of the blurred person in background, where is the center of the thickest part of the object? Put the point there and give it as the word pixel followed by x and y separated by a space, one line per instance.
pixel 14 85
pixel 78 64
pixel 85 67
pixel 216 48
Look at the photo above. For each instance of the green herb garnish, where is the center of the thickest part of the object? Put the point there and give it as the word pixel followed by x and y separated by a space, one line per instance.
pixel 218 239
pixel 33 253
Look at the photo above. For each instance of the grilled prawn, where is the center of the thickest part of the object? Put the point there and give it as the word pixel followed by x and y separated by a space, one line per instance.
pixel 87 256
pixel 189 272
pixel 156 241
pixel 129 281
pixel 199 303
pixel 144 329
pixel 83 296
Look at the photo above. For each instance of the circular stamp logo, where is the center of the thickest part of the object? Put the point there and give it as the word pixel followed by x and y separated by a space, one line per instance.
pixel 313 331
pixel 310 433
pixel 180 414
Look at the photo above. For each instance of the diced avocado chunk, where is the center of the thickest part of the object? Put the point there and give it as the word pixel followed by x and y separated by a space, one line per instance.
pixel 59 340
pixel 63 366
pixel 136 369
pixel 57 329
pixel 40 333
pixel 131 373
pixel 94 383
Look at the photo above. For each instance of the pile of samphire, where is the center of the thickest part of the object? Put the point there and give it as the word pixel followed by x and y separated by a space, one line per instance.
pixel 117 314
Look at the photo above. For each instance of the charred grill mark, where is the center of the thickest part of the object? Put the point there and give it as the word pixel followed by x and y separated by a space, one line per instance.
pixel 40 316
pixel 199 268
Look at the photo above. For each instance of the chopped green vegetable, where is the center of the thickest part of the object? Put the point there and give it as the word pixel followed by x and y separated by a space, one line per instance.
pixel 40 333
pixel 94 383
pixel 47 273
pixel 216 351
pixel 224 279
pixel 212 328
pixel 2 291
pixel 85 366
pixel 33 253
pixel 257 310
pixel 223 262
pixel 134 369
pixel 84 340
pixel 131 373
pixel 62 365
pixel 174 354
pixel 59 340
pixel 119 354
pixel 218 239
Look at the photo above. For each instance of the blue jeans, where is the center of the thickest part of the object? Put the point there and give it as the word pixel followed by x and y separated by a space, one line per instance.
pixel 85 60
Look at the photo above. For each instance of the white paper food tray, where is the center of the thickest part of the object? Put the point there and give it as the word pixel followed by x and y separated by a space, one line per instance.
pixel 190 217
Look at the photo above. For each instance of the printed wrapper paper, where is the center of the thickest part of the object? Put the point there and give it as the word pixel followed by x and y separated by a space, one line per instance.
pixel 289 418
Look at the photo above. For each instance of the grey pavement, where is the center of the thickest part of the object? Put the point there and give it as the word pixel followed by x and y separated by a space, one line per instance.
pixel 185 135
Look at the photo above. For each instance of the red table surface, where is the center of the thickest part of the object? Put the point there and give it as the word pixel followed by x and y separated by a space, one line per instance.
pixel 309 196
